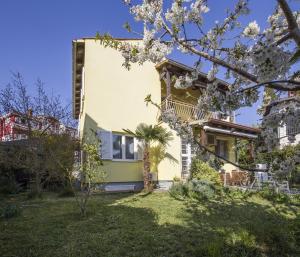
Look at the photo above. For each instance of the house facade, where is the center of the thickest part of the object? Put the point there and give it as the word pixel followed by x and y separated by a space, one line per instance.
pixel 14 126
pixel 107 98
pixel 290 130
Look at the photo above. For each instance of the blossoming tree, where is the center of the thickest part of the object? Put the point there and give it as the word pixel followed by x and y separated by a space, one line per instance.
pixel 254 58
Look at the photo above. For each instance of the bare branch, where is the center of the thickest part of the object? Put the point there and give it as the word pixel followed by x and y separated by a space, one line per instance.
pixel 292 23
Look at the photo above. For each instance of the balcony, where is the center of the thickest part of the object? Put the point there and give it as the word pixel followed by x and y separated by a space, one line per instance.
pixel 189 112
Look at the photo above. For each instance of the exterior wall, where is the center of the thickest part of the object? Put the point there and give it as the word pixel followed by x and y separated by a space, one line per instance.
pixel 231 152
pixel 114 100
pixel 284 139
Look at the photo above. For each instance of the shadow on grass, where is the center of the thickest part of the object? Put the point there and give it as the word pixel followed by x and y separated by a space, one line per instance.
pixel 116 228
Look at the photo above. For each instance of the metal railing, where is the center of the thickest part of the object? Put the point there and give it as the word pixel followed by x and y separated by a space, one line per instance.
pixel 184 111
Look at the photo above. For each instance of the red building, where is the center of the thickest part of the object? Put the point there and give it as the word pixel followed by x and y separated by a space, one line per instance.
pixel 14 126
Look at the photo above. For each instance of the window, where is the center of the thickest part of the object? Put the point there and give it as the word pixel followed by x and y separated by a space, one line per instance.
pixel 123 147
pixel 129 148
pixel 187 152
pixel 117 147
pixel 222 149
pixel 292 128
pixel 185 164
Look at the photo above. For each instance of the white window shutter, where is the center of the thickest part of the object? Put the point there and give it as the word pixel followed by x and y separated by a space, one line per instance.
pixel 138 150
pixel 106 144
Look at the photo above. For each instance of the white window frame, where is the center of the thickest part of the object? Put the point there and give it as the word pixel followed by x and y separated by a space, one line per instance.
pixel 189 155
pixel 123 147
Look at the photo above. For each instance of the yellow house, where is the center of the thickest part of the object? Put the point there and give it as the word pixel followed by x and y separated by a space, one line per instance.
pixel 108 98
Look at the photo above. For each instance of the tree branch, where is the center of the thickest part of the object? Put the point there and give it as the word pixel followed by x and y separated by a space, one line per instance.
pixel 292 23
pixel 274 84
pixel 226 160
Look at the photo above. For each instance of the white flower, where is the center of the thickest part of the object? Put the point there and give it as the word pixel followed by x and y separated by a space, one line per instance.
pixel 270 61
pixel 176 15
pixel 186 81
pixel 252 30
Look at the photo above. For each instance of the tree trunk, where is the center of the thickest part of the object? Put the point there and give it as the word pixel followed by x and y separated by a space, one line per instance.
pixel 146 172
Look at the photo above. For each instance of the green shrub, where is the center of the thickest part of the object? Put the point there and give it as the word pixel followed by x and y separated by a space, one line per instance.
pixel 235 193
pixel 10 211
pixel 66 192
pixel 201 189
pixel 273 196
pixel 202 171
pixel 178 190
pixel 195 189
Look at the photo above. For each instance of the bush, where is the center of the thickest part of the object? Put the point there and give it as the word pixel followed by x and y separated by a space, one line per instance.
pixel 10 211
pixel 234 193
pixel 195 189
pixel 271 195
pixel 178 190
pixel 202 171
pixel 201 189
pixel 66 192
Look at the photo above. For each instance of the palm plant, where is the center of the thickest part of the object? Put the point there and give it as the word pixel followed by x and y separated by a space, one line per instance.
pixel 148 134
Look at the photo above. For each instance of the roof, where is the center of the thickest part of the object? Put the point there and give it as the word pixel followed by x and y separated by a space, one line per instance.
pixel 181 66
pixel 233 126
pixel 281 101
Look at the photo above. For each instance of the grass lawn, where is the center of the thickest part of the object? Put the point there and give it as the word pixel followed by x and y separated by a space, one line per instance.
pixel 150 225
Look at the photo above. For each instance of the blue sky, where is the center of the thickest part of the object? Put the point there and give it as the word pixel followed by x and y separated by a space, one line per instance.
pixel 36 37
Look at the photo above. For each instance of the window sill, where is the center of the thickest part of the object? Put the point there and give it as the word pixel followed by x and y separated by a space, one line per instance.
pixel 125 160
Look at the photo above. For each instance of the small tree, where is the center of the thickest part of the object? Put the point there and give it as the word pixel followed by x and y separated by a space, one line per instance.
pixel 89 170
pixel 81 176
pixel 149 134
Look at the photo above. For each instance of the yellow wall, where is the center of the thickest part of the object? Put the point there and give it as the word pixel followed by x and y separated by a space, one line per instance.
pixel 188 95
pixel 114 100
pixel 231 152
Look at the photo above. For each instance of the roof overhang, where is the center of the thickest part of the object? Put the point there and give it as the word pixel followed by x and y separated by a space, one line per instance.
pixel 229 132
pixel 78 47
pixel 178 68
pixel 229 128
pixel 282 102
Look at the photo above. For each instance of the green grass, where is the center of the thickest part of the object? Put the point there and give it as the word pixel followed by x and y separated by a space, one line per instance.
pixel 150 225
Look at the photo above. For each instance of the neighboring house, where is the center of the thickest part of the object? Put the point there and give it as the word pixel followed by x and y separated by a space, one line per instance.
pixel 108 98
pixel 14 126
pixel 290 129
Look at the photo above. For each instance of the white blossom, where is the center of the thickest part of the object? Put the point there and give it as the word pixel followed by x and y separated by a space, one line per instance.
pixel 186 81
pixel 269 60
pixel 176 15
pixel 252 30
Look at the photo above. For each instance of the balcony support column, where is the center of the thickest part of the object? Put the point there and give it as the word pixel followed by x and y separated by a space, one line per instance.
pixel 166 76
pixel 203 137
pixel 168 83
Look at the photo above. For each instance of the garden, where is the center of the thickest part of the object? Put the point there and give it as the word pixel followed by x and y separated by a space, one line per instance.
pixel 150 224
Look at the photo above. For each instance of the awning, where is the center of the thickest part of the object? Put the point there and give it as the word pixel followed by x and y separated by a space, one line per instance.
pixel 229 132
